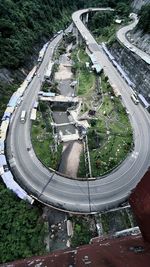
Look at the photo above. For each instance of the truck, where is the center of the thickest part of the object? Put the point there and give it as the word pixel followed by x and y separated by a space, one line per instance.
pixel 134 98
pixel 23 116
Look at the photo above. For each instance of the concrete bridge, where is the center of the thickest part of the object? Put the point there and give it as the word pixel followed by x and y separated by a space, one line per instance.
pixel 60 99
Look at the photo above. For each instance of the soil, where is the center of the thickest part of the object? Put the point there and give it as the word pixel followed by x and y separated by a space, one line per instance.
pixel 70 158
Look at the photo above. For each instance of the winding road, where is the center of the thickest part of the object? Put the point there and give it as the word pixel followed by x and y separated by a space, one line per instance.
pixel 121 36
pixel 56 190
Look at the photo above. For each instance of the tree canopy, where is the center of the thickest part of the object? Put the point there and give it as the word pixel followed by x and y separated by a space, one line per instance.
pixel 24 23
pixel 144 21
pixel 21 228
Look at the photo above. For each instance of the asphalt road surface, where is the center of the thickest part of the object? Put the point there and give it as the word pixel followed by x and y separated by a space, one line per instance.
pixel 72 195
pixel 121 35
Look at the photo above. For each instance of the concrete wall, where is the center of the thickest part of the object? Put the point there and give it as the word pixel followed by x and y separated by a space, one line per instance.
pixel 138 71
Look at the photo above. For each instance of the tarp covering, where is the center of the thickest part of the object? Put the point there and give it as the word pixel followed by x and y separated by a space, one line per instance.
pixel 1 170
pixel 6 116
pixel 7 113
pixel 23 87
pixel 96 65
pixel 2 160
pixel 1 146
pixel 143 100
pixel 48 94
pixel 13 100
pixel 3 129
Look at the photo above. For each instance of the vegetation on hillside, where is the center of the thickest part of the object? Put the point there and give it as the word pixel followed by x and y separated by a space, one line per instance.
pixel 102 24
pixel 24 23
pixel 144 21
pixel 6 91
pixel 46 148
pixel 21 228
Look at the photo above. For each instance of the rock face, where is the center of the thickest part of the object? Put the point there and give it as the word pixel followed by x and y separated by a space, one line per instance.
pixel 140 40
pixel 10 76
pixel 137 70
pixel 137 4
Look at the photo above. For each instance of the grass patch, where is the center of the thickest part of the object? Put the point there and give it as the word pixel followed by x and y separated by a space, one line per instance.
pixel 109 34
pixel 86 82
pixel 110 137
pixel 22 229
pixel 43 141
pixel 115 221
pixel 83 232
pixel 81 169
pixel 86 79
pixel 83 56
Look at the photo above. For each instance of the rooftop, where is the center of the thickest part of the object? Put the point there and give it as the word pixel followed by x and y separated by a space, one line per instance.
pixel 129 251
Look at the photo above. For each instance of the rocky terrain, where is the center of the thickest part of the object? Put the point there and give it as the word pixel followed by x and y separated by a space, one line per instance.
pixel 137 4
pixel 142 41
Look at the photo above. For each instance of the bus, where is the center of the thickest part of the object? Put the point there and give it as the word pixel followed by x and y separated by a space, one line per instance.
pixel 134 98
pixel 23 116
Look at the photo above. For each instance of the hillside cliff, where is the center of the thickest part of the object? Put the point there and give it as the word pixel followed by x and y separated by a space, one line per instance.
pixel 137 70
pixel 137 4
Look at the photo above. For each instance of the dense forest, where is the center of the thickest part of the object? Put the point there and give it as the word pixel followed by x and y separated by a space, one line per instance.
pixel 144 22
pixel 24 23
pixel 22 230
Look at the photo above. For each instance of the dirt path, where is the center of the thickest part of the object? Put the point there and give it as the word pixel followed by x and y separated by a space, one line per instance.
pixel 70 158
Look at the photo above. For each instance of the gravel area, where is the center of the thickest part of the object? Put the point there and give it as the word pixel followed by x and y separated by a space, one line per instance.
pixel 70 158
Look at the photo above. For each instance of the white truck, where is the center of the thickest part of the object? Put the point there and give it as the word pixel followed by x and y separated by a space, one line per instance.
pixel 23 116
pixel 134 98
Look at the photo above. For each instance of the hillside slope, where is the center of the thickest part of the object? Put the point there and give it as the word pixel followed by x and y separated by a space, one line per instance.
pixel 137 4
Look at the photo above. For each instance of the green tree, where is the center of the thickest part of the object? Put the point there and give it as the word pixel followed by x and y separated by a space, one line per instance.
pixel 144 21
pixel 21 228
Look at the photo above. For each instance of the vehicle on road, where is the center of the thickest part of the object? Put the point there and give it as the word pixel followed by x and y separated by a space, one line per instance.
pixel 134 98
pixel 23 116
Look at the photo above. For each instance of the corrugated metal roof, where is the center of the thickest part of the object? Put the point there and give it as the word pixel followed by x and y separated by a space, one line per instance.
pixel 22 88
pixel 7 113
pixel 1 146
pixel 48 94
pixel 3 129
pixel 121 252
pixel 2 160
pixel 96 65
pixel 13 100
pixel 144 101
